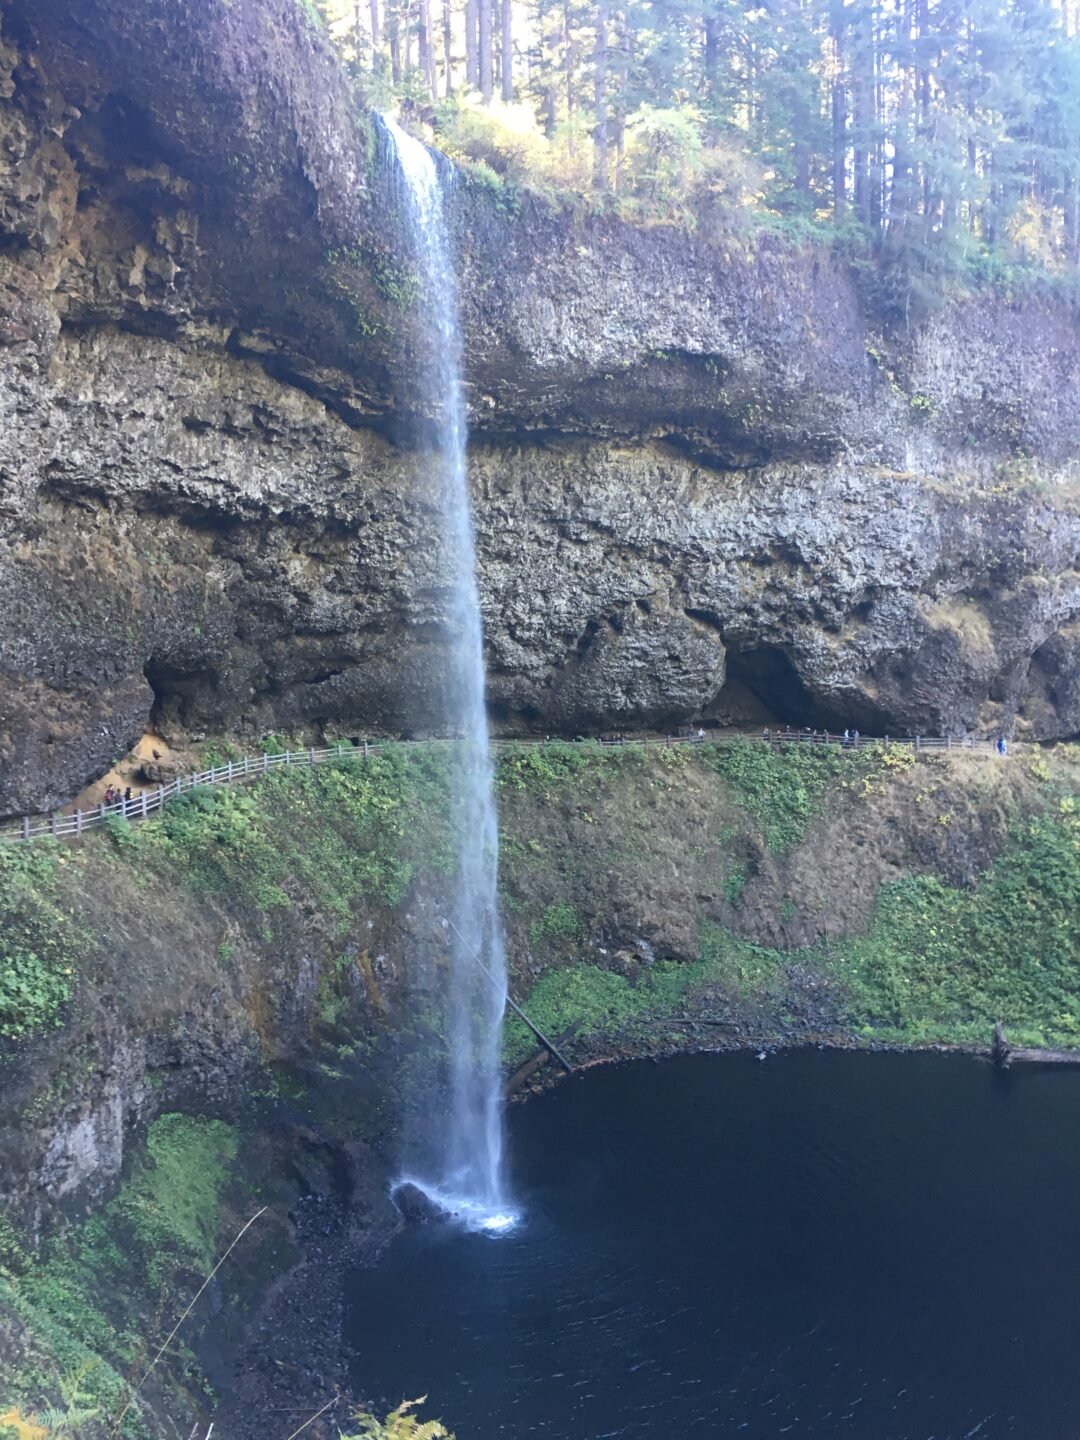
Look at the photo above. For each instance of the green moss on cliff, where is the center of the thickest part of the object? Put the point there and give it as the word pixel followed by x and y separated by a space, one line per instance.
pixel 345 832
pixel 937 963
pixel 39 942
pixel 626 1005
pixel 784 787
pixel 84 1303
pixel 942 963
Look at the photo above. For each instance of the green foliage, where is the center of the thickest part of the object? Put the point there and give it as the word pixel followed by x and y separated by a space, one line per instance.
pixel 85 1298
pixel 608 1002
pixel 666 150
pixel 734 884
pixel 560 923
pixel 784 786
pixel 219 752
pixel 539 768
pixel 40 944
pixel 343 833
pixel 945 963
pixel 120 831
pixel 400 1424
pixel 958 161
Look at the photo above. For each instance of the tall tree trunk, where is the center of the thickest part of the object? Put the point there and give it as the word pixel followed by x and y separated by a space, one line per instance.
pixel 839 110
pixel 900 200
pixel 862 113
pixel 376 33
pixel 426 46
pixel 448 47
pixel 570 68
pixel 484 50
pixel 624 47
pixel 549 48
pixel 600 134
pixel 877 143
pixel 711 67
pixel 922 91
pixel 472 62
pixel 393 35
pixel 359 33
pixel 507 49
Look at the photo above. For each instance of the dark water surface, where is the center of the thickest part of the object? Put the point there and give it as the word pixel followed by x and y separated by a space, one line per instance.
pixel 875 1246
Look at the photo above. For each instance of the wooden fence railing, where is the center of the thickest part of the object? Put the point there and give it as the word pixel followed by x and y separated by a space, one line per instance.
pixel 68 824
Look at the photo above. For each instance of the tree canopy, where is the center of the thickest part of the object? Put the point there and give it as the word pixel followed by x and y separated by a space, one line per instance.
pixel 935 134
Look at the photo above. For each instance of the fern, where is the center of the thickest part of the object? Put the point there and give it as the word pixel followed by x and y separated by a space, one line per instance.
pixel 400 1424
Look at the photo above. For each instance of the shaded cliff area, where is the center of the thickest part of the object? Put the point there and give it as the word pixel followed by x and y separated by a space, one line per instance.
pixel 229 984
pixel 707 483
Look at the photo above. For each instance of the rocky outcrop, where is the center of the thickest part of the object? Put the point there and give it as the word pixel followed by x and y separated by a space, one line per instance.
pixel 705 483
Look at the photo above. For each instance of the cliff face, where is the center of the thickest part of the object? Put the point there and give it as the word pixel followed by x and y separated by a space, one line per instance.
pixel 704 484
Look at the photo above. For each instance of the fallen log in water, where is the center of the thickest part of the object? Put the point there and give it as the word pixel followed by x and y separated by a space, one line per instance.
pixel 535 1062
pixel 1005 1056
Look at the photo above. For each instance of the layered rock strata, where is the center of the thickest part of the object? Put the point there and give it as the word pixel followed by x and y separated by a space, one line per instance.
pixel 706 485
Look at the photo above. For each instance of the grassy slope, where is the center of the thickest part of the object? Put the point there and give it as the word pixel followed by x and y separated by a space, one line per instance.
pixel 956 890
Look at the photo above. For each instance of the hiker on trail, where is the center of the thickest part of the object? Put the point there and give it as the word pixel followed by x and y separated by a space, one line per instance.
pixel 127 797
pixel 110 795
pixel 847 737
pixel 855 738
pixel 1002 745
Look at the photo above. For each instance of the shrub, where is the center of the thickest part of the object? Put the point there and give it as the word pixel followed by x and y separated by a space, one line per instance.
pixel 39 942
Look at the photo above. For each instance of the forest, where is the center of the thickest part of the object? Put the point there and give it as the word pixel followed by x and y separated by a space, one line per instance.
pixel 938 138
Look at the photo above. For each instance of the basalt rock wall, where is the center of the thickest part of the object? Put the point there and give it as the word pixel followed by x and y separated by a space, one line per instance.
pixel 706 483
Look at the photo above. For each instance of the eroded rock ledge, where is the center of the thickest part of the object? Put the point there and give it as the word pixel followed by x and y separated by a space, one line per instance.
pixel 705 483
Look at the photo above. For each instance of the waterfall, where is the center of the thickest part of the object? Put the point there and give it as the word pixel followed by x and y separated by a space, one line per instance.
pixel 464 1176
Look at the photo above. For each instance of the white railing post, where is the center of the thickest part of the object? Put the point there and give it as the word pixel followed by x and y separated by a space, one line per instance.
pixel 365 747
pixel 228 775
pixel 26 827
pixel 142 800
pixel 266 761
pixel 288 757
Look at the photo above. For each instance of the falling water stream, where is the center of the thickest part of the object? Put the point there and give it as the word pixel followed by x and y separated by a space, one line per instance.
pixel 464 1174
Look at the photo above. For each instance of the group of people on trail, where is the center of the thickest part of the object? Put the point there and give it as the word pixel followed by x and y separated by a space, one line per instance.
pixel 850 738
pixel 115 796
